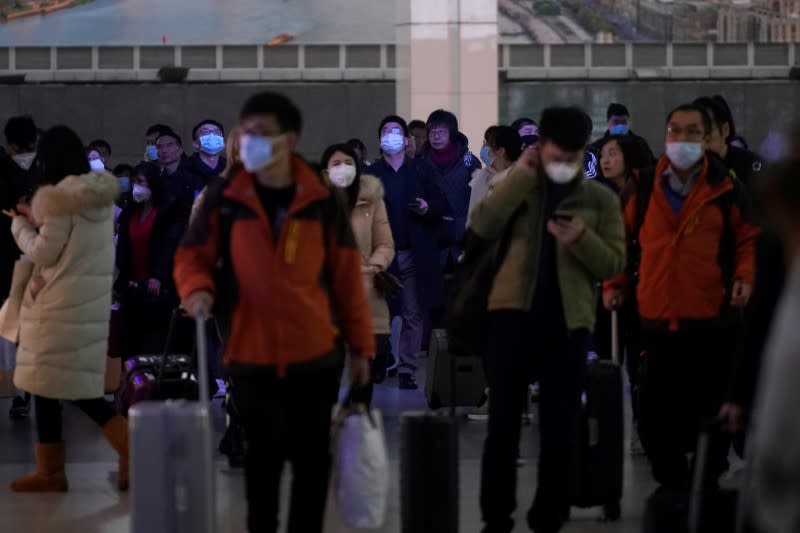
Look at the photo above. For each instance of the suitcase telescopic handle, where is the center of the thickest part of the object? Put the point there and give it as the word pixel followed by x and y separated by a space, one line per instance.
pixel 615 334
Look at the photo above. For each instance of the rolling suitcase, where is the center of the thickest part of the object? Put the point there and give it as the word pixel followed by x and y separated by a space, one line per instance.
pixel 468 375
pixel 172 466
pixel 601 446
pixel 429 489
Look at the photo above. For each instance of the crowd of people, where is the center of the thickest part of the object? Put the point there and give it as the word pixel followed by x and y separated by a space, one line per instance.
pixel 304 266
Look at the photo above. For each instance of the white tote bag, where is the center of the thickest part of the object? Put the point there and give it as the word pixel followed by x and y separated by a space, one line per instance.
pixel 9 313
pixel 362 469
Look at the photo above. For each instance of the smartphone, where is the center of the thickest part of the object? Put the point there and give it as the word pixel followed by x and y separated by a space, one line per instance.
pixel 563 215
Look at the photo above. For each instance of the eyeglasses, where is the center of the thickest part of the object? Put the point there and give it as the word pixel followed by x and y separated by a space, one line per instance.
pixel 214 131
pixel 691 132
pixel 439 132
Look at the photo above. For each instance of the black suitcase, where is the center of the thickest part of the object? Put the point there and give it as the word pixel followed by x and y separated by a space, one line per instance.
pixel 429 488
pixel 601 446
pixel 469 377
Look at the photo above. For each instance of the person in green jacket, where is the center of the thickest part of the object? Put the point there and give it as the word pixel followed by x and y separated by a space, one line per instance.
pixel 565 235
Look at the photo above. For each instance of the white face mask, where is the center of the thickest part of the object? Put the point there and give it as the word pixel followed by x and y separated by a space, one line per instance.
pixel 561 173
pixel 684 155
pixel 97 165
pixel 141 193
pixel 393 143
pixel 342 176
pixel 255 152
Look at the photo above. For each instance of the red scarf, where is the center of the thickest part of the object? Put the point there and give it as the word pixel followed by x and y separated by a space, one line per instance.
pixel 444 158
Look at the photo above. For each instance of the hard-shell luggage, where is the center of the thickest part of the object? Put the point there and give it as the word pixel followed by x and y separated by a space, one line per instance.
pixel 172 466
pixel 429 488
pixel 601 446
pixel 158 377
pixel 469 375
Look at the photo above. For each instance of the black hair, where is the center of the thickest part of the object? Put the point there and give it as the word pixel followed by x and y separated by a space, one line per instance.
pixel 522 122
pixel 100 143
pixel 22 132
pixel 170 133
pixel 693 108
pixel 353 189
pixel 269 103
pixel 714 110
pixel 356 144
pixel 61 153
pixel 617 110
pixel 630 152
pixel 719 99
pixel 204 122
pixel 508 138
pixel 487 135
pixel 567 127
pixel 122 170
pixel 416 124
pixel 155 182
pixel 394 118
pixel 157 128
pixel 443 118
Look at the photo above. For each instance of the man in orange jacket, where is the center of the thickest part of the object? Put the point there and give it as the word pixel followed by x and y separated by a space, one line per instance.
pixel 692 254
pixel 290 277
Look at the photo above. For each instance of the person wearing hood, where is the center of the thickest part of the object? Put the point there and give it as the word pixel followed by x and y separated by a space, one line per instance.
pixel 528 130
pixel 17 181
pixel 447 150
pixel 64 330
pixel 208 139
pixel 565 234
pixel 619 123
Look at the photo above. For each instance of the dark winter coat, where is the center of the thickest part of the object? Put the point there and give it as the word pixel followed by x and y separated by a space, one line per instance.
pixel 15 183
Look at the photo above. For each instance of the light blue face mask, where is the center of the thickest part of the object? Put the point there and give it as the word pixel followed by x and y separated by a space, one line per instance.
pixel 124 184
pixel 151 152
pixel 212 143
pixel 619 129
pixel 485 157
pixel 255 152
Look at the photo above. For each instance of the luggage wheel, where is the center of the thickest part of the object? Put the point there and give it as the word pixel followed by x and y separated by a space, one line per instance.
pixel 611 512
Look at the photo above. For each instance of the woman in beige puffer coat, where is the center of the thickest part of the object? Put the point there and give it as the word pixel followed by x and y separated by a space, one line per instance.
pixel 67 233
pixel 373 234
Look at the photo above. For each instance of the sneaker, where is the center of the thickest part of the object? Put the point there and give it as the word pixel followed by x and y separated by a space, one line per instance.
pixel 481 414
pixel 407 382
pixel 20 408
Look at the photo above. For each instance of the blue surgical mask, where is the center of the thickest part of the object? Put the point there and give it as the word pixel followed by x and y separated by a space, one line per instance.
pixel 124 184
pixel 619 129
pixel 393 143
pixel 485 157
pixel 255 152
pixel 151 153
pixel 212 143
pixel 684 156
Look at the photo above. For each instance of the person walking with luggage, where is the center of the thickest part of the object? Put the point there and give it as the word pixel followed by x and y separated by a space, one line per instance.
pixel 693 255
pixel 66 231
pixel 373 234
pixel 150 230
pixel 565 234
pixel 289 285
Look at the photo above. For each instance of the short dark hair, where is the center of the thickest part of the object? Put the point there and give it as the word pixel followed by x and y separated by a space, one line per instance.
pixel 394 118
pixel 715 111
pixel 100 143
pixel 356 144
pixel 170 133
pixel 203 123
pixel 22 132
pixel 270 103
pixel 416 125
pixel 155 181
pixel 567 127
pixel 522 122
pixel 353 189
pixel 444 118
pixel 508 138
pixel 123 169
pixel 617 110
pixel 693 108
pixel 157 128
pixel 61 153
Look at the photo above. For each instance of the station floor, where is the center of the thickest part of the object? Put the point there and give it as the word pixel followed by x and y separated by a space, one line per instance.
pixel 93 504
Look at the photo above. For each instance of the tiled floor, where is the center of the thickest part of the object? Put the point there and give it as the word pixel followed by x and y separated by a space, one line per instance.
pixel 94 506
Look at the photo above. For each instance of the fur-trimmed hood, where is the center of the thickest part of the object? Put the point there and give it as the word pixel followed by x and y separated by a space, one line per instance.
pixel 370 190
pixel 86 195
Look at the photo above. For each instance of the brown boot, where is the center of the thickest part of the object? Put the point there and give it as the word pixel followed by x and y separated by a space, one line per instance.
pixel 116 432
pixel 49 475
